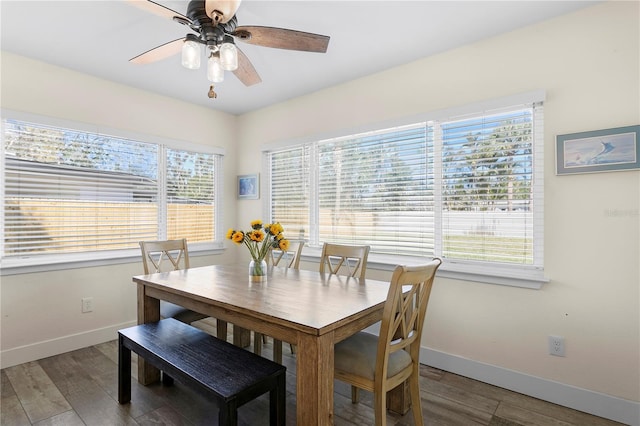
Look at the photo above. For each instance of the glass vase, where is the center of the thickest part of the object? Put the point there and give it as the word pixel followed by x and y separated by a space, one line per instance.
pixel 257 270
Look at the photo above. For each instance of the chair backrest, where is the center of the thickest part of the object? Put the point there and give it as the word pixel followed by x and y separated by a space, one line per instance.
pixel 404 313
pixel 289 258
pixel 344 259
pixel 163 256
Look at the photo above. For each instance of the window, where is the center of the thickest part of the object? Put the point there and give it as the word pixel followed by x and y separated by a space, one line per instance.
pixel 467 189
pixel 68 191
pixel 376 189
pixel 487 187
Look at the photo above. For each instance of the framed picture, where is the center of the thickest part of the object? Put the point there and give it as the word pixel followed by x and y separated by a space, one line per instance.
pixel 248 187
pixel 605 150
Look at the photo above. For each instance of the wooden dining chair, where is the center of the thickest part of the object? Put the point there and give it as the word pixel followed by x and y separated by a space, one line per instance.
pixel 169 255
pixel 341 259
pixel 380 363
pixel 288 259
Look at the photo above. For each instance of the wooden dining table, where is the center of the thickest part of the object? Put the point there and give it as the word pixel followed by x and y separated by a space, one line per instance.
pixel 306 308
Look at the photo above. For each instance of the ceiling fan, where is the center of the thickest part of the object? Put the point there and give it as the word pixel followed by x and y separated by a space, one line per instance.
pixel 216 27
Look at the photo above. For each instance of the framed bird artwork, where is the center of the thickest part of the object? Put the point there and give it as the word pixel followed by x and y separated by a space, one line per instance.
pixel 604 150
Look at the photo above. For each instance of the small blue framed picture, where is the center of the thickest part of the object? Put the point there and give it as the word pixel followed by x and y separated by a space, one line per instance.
pixel 248 187
pixel 607 150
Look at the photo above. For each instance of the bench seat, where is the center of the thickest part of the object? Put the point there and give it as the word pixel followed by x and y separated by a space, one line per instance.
pixel 231 375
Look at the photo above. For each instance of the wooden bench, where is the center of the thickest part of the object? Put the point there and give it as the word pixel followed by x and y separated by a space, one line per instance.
pixel 233 376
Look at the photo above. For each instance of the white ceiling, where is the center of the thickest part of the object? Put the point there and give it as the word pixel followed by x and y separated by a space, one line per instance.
pixel 99 37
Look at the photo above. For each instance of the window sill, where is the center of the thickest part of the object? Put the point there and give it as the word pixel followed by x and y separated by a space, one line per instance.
pixel 33 264
pixel 512 276
pixel 531 278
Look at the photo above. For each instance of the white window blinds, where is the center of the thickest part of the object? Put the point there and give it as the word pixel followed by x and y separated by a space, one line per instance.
pixel 488 185
pixel 376 189
pixel 68 191
pixel 289 187
pixel 190 195
pixel 468 189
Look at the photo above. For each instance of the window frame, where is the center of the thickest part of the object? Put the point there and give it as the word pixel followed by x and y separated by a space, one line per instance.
pixel 525 276
pixel 50 262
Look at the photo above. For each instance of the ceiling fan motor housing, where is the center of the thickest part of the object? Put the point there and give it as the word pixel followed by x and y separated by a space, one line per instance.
pixel 211 33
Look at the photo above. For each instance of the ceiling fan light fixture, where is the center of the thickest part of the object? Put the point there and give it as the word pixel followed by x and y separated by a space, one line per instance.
pixel 229 56
pixel 215 72
pixel 191 54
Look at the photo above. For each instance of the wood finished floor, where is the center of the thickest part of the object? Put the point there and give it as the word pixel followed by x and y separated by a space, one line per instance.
pixel 81 388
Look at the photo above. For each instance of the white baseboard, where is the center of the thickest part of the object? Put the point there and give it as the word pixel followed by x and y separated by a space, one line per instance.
pixel 47 348
pixel 598 404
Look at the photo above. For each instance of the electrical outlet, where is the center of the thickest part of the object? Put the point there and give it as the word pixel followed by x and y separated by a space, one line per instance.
pixel 87 304
pixel 556 345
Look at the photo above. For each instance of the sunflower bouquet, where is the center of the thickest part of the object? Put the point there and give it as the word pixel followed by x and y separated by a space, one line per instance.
pixel 259 240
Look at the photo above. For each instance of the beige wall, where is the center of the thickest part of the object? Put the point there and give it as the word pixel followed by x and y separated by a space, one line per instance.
pixel 40 312
pixel 588 63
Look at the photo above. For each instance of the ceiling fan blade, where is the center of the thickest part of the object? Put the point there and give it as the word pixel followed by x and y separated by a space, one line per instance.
pixel 157 53
pixel 158 9
pixel 245 72
pixel 282 38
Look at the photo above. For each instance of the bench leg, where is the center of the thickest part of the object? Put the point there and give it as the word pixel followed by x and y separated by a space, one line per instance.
pixel 228 415
pixel 166 379
pixel 278 402
pixel 124 373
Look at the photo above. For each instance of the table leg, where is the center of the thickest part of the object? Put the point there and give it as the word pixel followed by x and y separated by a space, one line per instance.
pixel 277 351
pixel 221 329
pixel 399 399
pixel 241 336
pixel 314 371
pixel 148 311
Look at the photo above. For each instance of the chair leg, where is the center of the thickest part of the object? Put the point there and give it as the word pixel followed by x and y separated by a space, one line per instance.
pixel 355 394
pixel 414 389
pixel 380 407
pixel 257 343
